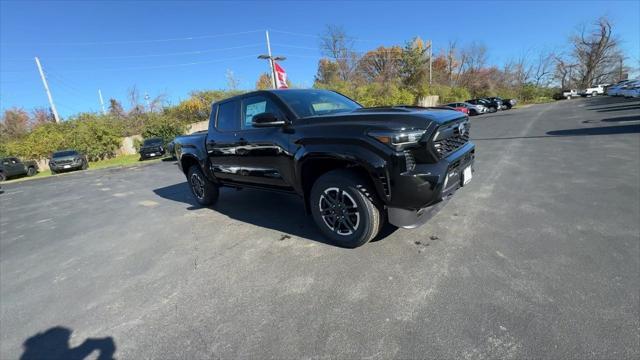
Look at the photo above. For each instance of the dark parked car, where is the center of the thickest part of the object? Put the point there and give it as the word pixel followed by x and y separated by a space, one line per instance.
pixel 507 104
pixel 152 147
pixel 12 166
pixel 67 160
pixel 354 167
pixel 492 106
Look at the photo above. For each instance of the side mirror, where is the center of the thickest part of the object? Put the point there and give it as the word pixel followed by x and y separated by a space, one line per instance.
pixel 266 120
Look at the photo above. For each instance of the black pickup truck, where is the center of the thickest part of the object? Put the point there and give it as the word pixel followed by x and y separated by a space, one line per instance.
pixel 354 167
pixel 12 166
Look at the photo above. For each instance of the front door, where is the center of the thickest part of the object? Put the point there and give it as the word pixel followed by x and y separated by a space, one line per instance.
pixel 263 153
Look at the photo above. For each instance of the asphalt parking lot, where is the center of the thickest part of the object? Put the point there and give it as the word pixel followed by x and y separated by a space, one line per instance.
pixel 539 257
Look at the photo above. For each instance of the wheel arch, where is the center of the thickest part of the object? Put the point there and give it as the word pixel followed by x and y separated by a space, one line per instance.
pixel 313 165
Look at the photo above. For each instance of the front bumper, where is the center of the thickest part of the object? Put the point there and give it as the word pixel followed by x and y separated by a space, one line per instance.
pixel 65 167
pixel 414 192
pixel 150 154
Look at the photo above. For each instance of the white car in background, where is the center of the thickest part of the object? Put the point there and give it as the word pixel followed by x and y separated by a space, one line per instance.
pixel 593 91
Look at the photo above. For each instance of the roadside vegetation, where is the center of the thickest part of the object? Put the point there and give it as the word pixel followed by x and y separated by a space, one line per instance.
pixel 387 75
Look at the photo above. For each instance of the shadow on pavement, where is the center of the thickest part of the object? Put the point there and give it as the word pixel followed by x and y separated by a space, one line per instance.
pixel 605 100
pixel 619 108
pixel 277 211
pixel 53 344
pixel 281 212
pixel 622 118
pixel 601 130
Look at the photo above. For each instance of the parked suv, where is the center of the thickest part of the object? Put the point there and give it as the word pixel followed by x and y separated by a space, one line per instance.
pixel 12 166
pixel 354 168
pixel 152 147
pixel 67 160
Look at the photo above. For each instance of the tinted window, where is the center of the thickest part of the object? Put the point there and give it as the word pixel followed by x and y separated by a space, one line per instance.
pixel 65 153
pixel 317 102
pixel 227 116
pixel 255 105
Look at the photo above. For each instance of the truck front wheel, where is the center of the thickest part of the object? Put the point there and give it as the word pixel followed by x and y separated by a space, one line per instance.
pixel 205 192
pixel 344 207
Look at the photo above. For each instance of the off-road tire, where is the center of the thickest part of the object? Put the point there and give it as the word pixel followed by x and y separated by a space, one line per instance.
pixel 31 171
pixel 85 165
pixel 205 192
pixel 359 192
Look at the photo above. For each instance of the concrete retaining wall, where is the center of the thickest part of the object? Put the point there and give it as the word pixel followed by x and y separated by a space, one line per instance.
pixel 127 148
pixel 199 126
pixel 427 101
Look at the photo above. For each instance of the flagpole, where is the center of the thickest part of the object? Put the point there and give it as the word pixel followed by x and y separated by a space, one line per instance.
pixel 273 70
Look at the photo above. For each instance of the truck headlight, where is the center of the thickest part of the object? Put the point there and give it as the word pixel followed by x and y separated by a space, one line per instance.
pixel 398 139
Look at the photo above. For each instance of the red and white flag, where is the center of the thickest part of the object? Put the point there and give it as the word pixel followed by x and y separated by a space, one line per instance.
pixel 281 77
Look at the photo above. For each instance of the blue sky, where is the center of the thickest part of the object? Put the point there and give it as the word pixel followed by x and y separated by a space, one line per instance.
pixel 176 47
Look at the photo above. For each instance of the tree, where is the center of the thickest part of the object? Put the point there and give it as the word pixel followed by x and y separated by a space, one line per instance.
pixel 134 100
pixel 415 64
pixel 15 123
pixel 382 64
pixel 41 116
pixel 338 46
pixel 328 72
pixel 115 109
pixel 232 81
pixel 264 82
pixel 597 53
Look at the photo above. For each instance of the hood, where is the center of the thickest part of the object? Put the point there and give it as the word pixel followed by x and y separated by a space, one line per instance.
pixel 396 117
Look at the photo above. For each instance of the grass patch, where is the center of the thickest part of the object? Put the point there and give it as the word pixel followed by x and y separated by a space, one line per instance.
pixel 122 160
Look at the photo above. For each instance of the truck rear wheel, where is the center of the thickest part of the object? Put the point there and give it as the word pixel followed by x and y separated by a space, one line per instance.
pixel 31 171
pixel 205 192
pixel 344 207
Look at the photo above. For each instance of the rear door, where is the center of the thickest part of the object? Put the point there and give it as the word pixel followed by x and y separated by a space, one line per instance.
pixel 223 141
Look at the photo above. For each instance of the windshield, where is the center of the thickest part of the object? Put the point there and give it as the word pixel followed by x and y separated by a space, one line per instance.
pixel 154 141
pixel 65 153
pixel 307 103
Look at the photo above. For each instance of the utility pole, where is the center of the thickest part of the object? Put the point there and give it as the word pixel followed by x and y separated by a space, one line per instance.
pixel 273 68
pixel 621 66
pixel 271 61
pixel 46 89
pixel 101 102
pixel 430 57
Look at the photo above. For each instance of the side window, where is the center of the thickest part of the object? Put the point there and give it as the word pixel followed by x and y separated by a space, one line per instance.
pixel 255 105
pixel 227 116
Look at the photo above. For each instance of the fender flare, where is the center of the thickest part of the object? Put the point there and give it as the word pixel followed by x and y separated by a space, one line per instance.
pixel 373 164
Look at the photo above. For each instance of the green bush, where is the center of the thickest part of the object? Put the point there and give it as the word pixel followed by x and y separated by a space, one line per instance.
pixel 164 127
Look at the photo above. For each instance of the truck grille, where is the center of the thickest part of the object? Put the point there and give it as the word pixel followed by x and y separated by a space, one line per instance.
pixel 450 138
pixel 63 162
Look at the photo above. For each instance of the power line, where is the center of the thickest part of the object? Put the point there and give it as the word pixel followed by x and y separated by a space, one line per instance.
pixel 163 66
pixel 134 41
pixel 317 36
pixel 194 52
